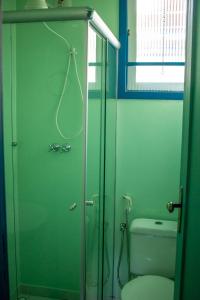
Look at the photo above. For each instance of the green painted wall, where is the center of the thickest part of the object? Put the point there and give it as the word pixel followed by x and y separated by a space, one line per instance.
pixel 9 5
pixel 149 135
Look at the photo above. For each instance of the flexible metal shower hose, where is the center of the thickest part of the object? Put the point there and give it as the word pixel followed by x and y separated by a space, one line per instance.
pixel 124 228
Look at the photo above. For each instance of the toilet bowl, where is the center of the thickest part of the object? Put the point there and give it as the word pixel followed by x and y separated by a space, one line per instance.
pixel 148 287
pixel 152 260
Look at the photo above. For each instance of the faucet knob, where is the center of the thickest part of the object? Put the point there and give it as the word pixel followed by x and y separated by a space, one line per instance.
pixel 54 147
pixel 66 148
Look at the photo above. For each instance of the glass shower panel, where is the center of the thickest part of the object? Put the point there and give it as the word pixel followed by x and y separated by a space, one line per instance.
pixel 9 41
pixel 110 171
pixel 95 165
pixel 44 148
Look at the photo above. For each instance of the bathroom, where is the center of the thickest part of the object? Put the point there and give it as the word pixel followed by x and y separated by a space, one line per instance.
pixel 95 178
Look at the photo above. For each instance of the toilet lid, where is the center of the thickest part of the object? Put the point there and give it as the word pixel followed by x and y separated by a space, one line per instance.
pixel 149 287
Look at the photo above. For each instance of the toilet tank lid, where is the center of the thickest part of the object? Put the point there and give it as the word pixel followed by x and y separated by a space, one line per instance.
pixel 154 227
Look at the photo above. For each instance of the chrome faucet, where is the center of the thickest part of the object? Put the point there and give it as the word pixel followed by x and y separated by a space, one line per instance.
pixel 59 148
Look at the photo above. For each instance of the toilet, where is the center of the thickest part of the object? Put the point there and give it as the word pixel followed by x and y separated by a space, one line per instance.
pixel 152 260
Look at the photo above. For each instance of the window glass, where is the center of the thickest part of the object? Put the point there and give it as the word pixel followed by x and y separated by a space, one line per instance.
pixel 156 44
pixel 92 57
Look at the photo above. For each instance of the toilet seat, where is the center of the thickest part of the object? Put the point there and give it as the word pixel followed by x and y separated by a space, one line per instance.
pixel 148 287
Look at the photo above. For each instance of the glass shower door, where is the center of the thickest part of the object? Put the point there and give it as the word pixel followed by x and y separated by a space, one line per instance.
pixel 45 181
pixel 94 199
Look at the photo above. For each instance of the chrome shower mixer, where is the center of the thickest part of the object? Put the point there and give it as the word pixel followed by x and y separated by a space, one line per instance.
pixel 59 147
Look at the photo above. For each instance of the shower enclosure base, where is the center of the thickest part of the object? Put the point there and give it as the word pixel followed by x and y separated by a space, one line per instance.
pixel 30 292
pixel 27 297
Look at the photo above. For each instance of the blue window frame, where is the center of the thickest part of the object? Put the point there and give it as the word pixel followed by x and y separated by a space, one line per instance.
pixel 124 92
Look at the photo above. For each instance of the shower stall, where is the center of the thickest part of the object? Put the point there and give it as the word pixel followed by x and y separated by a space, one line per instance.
pixel 59 109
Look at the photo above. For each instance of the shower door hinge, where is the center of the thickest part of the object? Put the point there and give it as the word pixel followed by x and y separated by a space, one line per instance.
pixel 14 144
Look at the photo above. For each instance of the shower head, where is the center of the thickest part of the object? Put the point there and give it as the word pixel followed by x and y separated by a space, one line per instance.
pixel 36 4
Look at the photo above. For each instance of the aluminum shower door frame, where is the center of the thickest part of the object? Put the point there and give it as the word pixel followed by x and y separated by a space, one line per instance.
pixel 4 281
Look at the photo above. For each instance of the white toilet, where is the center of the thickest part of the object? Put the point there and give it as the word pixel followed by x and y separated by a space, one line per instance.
pixel 152 260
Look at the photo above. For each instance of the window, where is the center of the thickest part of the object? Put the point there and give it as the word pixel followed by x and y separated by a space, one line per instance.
pixel 95 63
pixel 152 56
pixel 92 55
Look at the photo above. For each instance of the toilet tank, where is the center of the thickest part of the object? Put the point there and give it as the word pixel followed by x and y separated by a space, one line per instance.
pixel 153 247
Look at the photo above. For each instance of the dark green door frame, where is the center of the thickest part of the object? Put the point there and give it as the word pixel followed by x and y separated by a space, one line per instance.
pixel 4 285
pixel 187 285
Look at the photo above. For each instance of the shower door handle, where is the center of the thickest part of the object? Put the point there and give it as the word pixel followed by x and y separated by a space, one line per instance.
pixel 73 206
pixel 89 203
